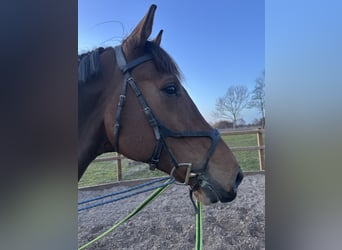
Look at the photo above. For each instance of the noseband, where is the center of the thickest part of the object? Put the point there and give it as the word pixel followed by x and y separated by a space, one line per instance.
pixel 161 133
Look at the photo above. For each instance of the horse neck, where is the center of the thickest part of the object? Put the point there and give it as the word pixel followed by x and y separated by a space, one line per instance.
pixel 92 137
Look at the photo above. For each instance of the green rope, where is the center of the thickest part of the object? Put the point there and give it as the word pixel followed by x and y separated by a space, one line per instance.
pixel 148 200
pixel 199 228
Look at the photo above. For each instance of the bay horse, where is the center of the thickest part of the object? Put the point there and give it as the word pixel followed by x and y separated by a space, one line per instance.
pixel 131 101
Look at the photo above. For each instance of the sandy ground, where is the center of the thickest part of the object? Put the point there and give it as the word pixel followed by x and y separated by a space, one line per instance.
pixel 169 222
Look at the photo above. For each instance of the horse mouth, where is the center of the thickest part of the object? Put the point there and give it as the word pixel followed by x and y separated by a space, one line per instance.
pixel 208 192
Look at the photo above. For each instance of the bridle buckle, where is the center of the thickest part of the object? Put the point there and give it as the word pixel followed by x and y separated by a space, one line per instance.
pixel 188 172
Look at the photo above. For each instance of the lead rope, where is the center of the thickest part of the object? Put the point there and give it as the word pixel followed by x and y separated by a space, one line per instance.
pixel 199 227
pixel 148 200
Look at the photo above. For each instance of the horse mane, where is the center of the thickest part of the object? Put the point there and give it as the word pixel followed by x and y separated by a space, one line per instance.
pixel 89 65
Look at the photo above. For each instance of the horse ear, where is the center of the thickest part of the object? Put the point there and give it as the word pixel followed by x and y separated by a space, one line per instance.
pixel 142 31
pixel 157 40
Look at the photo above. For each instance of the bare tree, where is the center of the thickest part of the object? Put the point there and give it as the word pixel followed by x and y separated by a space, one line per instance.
pixel 258 97
pixel 232 103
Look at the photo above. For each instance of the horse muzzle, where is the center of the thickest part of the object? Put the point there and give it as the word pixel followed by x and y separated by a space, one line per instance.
pixel 208 191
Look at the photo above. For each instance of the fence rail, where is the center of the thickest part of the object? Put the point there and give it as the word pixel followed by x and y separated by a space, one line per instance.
pixel 260 148
pixel 260 141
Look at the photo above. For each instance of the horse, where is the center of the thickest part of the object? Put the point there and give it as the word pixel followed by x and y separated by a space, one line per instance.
pixel 131 101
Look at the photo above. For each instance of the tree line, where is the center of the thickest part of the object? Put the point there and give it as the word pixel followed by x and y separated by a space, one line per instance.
pixel 237 98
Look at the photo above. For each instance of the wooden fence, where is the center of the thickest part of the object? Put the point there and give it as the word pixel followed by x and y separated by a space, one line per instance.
pixel 260 141
pixel 260 148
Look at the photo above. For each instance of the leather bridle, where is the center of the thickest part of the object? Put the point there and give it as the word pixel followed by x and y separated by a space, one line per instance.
pixel 161 133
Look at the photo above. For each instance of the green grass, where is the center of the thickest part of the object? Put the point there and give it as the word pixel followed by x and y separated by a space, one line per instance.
pixel 248 160
pixel 106 172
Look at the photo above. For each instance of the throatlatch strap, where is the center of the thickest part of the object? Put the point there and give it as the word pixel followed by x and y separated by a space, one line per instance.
pixel 120 106
pixel 125 69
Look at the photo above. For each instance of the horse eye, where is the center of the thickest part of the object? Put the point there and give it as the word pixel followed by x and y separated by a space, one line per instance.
pixel 171 90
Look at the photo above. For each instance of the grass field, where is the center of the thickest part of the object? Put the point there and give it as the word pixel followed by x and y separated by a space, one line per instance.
pixel 248 160
pixel 106 172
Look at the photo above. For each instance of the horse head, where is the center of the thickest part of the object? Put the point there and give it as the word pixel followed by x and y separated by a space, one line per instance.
pixel 148 116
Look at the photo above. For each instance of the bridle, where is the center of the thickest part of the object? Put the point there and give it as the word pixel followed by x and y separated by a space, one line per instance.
pixel 161 133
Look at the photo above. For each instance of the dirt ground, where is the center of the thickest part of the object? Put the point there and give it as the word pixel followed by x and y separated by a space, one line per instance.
pixel 169 222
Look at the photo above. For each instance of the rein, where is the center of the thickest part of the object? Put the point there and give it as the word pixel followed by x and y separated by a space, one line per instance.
pixel 161 132
pixel 163 187
pixel 138 189
pixel 147 201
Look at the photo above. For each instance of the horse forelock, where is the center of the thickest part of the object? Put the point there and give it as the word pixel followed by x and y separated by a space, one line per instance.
pixel 163 61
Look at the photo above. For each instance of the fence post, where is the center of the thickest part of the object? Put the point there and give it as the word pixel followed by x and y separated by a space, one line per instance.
pixel 119 168
pixel 261 152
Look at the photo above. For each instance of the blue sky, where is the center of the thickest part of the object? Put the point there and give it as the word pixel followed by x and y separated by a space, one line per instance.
pixel 215 43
